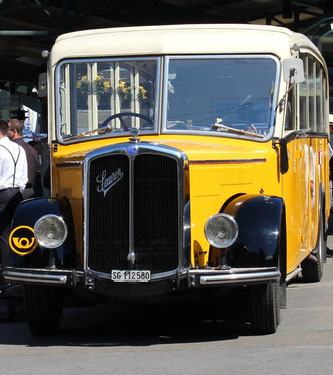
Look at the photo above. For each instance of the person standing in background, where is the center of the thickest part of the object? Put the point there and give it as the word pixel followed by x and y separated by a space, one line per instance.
pixel 13 180
pixel 15 134
pixel 38 187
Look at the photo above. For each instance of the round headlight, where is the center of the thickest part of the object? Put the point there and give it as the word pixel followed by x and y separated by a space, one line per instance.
pixel 221 230
pixel 50 231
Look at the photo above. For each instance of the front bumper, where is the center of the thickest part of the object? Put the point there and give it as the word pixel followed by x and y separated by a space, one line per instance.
pixel 233 276
pixel 188 279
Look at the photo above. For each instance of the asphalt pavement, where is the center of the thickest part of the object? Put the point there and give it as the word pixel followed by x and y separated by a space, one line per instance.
pixel 188 339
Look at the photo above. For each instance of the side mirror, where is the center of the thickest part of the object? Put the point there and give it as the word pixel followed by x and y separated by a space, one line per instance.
pixel 42 85
pixel 293 70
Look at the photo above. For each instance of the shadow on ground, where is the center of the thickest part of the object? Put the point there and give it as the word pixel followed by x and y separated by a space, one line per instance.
pixel 138 325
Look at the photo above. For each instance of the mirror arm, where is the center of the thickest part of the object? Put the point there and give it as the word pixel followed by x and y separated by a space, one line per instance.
pixel 283 154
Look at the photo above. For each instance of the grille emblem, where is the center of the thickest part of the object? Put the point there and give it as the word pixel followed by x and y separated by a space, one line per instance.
pixel 131 257
pixel 132 149
pixel 105 183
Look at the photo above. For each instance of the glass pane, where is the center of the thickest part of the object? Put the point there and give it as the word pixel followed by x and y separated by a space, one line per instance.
pixel 312 108
pixel 227 95
pixel 290 121
pixel 303 112
pixel 106 97
pixel 319 98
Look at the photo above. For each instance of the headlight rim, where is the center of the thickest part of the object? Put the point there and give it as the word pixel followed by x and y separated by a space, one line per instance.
pixel 229 217
pixel 60 218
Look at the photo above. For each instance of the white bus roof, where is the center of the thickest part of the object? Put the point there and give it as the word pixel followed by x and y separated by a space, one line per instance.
pixel 178 39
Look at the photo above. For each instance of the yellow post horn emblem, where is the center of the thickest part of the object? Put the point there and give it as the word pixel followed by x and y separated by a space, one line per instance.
pixel 22 240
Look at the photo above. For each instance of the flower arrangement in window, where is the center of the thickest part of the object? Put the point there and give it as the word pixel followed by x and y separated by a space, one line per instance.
pixel 125 92
pixel 83 85
pixel 102 86
pixel 142 94
pixel 99 86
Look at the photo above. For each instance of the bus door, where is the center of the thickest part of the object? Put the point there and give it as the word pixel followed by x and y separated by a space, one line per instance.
pixel 295 186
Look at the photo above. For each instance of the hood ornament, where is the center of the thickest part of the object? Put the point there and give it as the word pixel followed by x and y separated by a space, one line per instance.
pixel 134 133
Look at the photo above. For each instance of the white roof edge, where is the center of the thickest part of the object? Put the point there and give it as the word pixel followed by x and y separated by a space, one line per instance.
pixel 178 39
pixel 225 26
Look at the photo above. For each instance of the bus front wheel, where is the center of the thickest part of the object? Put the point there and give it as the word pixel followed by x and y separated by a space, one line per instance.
pixel 265 307
pixel 43 308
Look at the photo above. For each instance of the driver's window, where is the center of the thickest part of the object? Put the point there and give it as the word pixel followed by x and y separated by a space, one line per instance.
pixel 117 94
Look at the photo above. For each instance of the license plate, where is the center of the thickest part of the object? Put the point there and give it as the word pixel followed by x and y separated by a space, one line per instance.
pixel 133 276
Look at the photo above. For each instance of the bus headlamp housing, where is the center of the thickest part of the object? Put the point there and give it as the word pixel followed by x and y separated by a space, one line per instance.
pixel 221 230
pixel 50 231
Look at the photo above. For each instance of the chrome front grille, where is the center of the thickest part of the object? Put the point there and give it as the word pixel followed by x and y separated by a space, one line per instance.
pixel 133 206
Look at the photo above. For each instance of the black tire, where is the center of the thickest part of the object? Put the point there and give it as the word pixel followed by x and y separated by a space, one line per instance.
pixel 43 308
pixel 312 266
pixel 265 307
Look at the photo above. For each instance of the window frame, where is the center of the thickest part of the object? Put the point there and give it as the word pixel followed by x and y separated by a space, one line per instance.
pixel 270 133
pixel 93 114
pixel 313 121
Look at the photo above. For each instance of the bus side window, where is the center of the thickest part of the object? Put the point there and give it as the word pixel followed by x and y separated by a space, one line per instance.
pixel 311 92
pixel 290 122
pixel 303 100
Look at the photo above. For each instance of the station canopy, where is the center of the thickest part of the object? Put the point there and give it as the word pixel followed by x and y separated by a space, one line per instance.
pixel 30 26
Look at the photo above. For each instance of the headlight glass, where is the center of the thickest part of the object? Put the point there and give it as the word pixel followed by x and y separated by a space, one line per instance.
pixel 221 230
pixel 50 231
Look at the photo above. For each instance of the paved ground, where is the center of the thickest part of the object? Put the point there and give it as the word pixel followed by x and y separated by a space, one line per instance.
pixel 154 340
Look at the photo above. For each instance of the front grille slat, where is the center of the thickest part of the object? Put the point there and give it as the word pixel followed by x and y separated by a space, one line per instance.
pixel 153 205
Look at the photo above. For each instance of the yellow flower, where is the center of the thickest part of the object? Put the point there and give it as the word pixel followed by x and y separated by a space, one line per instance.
pixel 143 93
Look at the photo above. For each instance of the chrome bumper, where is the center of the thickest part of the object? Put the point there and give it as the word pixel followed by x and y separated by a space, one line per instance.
pixel 234 276
pixel 196 277
pixel 39 276
pixel 30 277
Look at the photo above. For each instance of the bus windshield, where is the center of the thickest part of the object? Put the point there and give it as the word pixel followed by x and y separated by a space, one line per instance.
pixel 230 95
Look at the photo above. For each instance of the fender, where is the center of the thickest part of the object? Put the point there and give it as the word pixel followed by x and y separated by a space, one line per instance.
pixel 261 225
pixel 24 249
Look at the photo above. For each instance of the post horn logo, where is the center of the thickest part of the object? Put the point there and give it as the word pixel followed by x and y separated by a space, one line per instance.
pixel 22 240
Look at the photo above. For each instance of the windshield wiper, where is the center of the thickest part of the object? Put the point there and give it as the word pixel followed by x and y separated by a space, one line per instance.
pixel 217 126
pixel 103 130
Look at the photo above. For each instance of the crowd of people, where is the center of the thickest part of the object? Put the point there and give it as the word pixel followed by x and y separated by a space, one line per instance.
pixel 19 178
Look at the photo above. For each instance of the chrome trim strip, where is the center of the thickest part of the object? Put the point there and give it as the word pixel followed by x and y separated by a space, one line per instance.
pixel 231 161
pixel 131 249
pixel 293 274
pixel 35 278
pixel 69 164
pixel 240 278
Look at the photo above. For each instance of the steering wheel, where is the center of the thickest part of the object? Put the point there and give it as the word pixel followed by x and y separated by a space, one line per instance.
pixel 123 114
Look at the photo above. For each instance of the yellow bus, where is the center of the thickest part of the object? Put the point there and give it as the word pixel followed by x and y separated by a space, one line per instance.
pixel 186 162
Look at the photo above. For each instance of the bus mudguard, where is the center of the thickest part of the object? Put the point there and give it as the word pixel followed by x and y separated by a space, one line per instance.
pixel 261 236
pixel 24 249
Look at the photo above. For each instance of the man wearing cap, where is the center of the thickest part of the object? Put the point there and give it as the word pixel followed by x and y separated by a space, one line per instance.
pixel 15 131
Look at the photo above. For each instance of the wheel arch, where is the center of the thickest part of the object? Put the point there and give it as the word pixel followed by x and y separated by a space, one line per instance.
pixel 22 232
